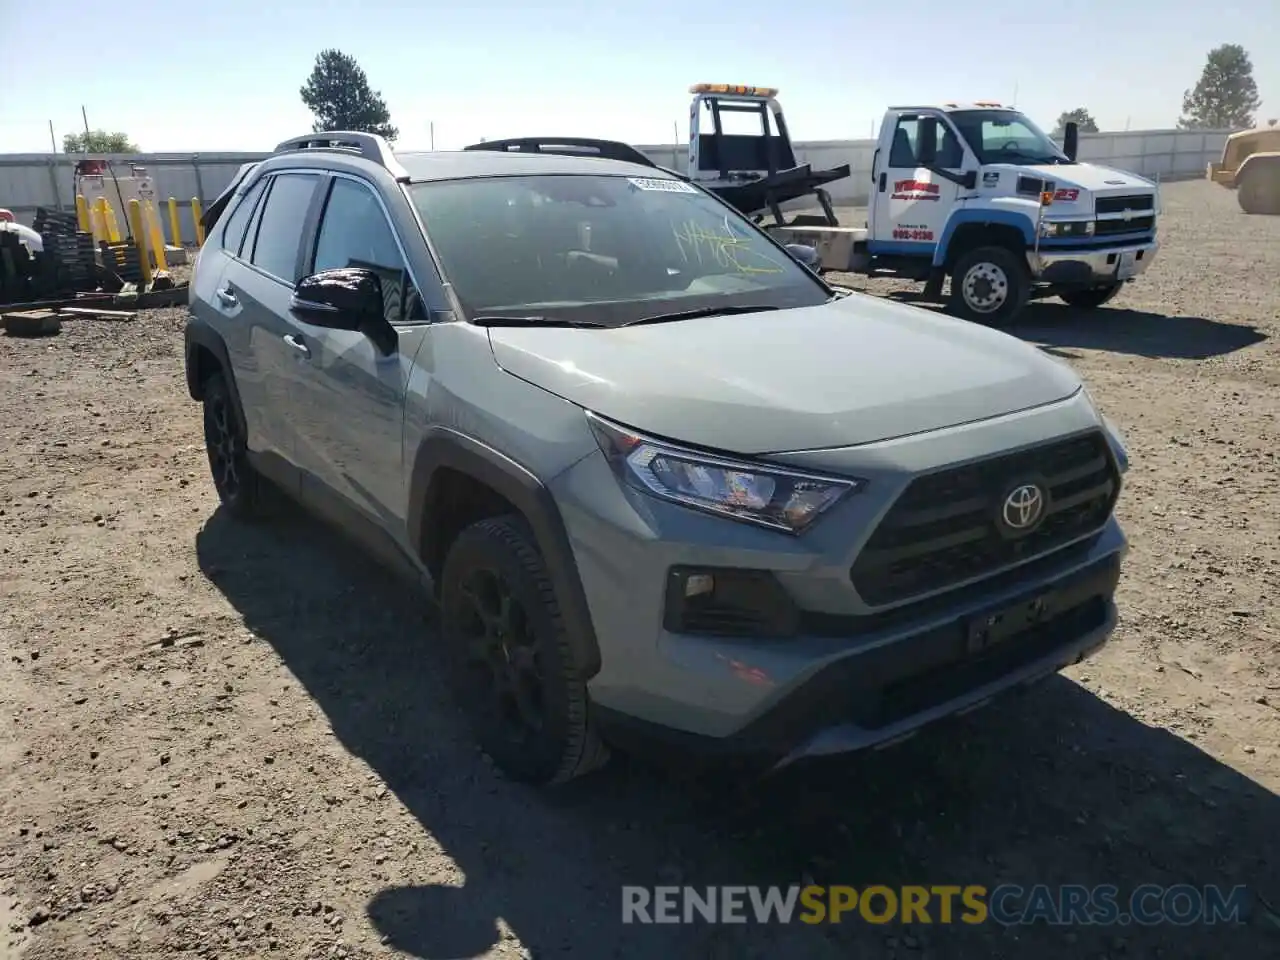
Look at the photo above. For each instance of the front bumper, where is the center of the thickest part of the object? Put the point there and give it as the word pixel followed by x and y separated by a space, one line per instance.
pixel 1091 267
pixel 893 682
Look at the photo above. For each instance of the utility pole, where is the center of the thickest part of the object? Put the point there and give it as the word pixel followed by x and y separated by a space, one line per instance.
pixel 84 116
pixel 432 125
pixel 53 141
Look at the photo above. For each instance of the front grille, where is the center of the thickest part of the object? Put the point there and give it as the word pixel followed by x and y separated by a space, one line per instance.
pixel 1137 202
pixel 942 530
pixel 1134 225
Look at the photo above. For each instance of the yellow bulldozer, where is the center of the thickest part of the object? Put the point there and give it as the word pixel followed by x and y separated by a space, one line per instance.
pixel 1250 165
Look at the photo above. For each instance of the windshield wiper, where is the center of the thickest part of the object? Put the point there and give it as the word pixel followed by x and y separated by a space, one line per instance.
pixel 699 312
pixel 535 321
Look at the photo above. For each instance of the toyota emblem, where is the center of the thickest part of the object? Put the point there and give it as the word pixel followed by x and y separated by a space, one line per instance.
pixel 1023 507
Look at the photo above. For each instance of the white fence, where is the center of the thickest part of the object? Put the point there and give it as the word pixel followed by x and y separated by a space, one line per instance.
pixel 32 180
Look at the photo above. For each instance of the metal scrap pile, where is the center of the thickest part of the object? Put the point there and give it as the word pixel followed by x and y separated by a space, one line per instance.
pixel 57 260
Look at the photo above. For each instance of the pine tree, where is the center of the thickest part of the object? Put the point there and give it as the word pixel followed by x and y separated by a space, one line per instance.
pixel 338 94
pixel 1226 96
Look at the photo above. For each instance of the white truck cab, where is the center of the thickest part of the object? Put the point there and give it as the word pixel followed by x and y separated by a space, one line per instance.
pixel 979 194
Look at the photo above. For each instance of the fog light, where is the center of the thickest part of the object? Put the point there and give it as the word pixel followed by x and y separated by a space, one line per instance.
pixel 698 584
pixel 729 602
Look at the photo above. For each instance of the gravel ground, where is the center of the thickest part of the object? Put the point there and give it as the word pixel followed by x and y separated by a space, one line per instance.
pixel 233 742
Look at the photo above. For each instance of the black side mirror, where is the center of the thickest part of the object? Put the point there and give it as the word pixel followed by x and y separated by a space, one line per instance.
pixel 927 147
pixel 346 298
pixel 1071 139
pixel 808 256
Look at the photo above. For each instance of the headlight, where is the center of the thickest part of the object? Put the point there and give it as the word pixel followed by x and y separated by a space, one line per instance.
pixel 767 496
pixel 1066 228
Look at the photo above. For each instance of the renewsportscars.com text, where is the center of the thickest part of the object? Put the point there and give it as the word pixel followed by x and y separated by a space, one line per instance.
pixel 1007 904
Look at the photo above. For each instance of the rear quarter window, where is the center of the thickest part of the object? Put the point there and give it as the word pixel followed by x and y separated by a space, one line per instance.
pixel 278 238
pixel 234 229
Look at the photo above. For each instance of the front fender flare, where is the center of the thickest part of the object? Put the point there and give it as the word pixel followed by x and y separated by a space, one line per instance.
pixel 983 215
pixel 445 448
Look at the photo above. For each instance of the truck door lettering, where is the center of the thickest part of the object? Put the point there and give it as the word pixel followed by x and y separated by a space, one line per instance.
pixel 914 190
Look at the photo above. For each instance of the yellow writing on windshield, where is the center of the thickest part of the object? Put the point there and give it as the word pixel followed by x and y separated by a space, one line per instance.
pixel 720 247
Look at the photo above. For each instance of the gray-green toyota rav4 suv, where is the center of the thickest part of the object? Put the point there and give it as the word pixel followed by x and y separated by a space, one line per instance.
pixel 662 479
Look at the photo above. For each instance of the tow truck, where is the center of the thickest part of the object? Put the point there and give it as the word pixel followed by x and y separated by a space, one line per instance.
pixel 972 193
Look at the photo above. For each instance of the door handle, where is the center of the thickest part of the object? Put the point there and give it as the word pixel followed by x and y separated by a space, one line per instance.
pixel 297 345
pixel 884 181
pixel 227 297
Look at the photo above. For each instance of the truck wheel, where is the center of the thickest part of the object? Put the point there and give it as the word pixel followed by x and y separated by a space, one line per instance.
pixel 1090 297
pixel 514 671
pixel 989 285
pixel 239 487
pixel 1258 189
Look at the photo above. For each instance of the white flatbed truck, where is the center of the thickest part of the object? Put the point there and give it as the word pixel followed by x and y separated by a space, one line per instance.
pixel 972 193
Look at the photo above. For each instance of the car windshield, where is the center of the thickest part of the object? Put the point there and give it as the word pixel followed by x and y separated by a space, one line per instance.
pixel 1005 136
pixel 603 250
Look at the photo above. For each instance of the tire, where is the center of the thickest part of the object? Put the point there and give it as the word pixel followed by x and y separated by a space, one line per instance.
pixel 240 489
pixel 1258 189
pixel 513 669
pixel 1090 297
pixel 989 285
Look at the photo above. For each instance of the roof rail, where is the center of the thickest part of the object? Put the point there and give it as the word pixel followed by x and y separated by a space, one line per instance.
pixel 370 146
pixel 567 146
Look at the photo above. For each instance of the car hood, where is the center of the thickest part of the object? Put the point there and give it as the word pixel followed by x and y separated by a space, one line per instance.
pixel 1088 176
pixel 852 371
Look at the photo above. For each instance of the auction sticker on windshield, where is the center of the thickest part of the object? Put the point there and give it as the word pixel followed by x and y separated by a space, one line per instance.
pixel 661 185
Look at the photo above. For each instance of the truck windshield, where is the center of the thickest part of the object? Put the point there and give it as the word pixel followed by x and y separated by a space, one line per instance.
pixel 603 250
pixel 1005 136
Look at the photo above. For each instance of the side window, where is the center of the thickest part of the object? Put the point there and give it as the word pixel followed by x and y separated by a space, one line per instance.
pixel 233 231
pixel 354 232
pixel 279 233
pixel 950 153
pixel 903 151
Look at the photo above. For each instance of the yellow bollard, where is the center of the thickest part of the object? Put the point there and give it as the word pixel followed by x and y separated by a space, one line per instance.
pixel 97 223
pixel 113 227
pixel 140 241
pixel 155 236
pixel 195 218
pixel 175 227
pixel 82 214
pixel 100 218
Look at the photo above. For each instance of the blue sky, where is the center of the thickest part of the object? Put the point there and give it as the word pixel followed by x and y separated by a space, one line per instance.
pixel 227 73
